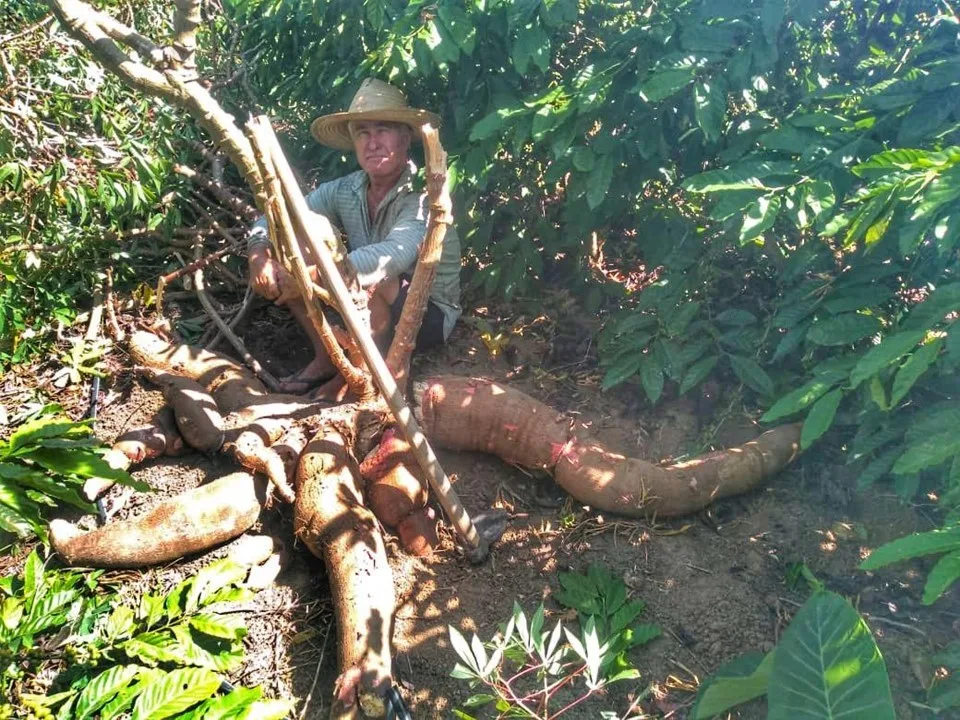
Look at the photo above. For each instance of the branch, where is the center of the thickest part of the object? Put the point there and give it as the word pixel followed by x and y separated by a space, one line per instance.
pixel 219 191
pixel 83 22
pixel 185 22
pixel 440 217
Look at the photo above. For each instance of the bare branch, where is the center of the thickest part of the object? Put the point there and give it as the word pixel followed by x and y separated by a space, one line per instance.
pixel 439 219
pixel 185 22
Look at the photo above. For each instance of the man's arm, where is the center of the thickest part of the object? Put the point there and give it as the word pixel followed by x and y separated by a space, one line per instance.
pixel 267 276
pixel 398 251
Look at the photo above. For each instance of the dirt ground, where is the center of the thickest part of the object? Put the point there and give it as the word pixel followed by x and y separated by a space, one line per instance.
pixel 715 583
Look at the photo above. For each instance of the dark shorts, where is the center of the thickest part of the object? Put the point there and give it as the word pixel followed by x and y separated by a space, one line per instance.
pixel 431 329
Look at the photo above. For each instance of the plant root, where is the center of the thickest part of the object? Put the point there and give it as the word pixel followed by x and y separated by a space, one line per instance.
pixel 473 414
pixel 188 523
pixel 332 522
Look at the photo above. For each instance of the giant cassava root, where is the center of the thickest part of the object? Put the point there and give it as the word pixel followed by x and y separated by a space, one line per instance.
pixel 473 414
pixel 271 434
pixel 183 525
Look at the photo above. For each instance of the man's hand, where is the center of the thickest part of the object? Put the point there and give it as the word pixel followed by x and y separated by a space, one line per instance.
pixel 265 272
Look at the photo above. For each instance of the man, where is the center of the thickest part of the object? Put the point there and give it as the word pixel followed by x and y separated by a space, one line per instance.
pixel 383 222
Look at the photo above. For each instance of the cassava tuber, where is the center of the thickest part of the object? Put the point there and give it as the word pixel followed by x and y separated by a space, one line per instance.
pixel 474 414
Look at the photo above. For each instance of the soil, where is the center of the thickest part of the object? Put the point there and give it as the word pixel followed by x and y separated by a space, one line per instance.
pixel 715 583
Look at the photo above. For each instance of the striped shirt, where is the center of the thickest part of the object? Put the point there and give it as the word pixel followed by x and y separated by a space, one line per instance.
pixel 389 246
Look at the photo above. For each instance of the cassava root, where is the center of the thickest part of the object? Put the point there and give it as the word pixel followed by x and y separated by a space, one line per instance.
pixel 474 414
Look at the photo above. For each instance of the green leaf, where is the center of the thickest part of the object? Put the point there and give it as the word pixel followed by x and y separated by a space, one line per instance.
pixel 928 452
pixel 914 368
pixel 103 688
pixel 664 83
pixel 878 467
pixel 697 372
pixel 751 374
pixel 913 546
pixel 599 181
pixel 82 463
pixel 33 432
pixel 651 376
pixel 737 682
pixel 228 627
pixel 736 317
pixel 458 24
pixel 492 123
pixel 229 705
pixel 710 106
pixel 941 577
pixel 584 159
pixel 626 367
pixel 945 693
pixel 174 692
pixel 462 648
pixel 820 418
pixel 827 665
pixel 843 329
pixel 798 399
pixel 771 18
pixel 892 348
pixel 479 700
pixel 746 175
pixel 760 217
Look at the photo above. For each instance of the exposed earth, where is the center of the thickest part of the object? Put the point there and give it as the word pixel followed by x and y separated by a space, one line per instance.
pixel 715 583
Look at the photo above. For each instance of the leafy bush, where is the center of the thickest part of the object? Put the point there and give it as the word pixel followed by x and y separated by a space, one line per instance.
pixel 527 667
pixel 826 665
pixel 161 658
pixel 946 571
pixel 83 162
pixel 45 461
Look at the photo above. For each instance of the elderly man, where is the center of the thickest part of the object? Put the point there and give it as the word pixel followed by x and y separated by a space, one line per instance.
pixel 383 221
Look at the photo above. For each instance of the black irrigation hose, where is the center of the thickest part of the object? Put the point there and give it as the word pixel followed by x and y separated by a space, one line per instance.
pixel 92 415
pixel 396 708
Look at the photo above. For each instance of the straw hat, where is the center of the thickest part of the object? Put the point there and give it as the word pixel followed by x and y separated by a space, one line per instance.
pixel 375 100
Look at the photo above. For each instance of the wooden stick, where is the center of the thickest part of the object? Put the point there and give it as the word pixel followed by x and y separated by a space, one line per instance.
pixel 385 382
pixel 288 249
pixel 418 294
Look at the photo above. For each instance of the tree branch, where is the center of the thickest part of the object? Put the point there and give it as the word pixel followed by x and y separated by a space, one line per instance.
pixel 185 22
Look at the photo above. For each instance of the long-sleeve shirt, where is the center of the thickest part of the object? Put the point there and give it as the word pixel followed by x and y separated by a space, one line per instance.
pixel 389 246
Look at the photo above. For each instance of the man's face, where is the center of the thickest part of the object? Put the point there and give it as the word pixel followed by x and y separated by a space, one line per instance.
pixel 381 147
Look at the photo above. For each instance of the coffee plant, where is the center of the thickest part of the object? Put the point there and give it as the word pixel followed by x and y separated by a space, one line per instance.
pixel 70 648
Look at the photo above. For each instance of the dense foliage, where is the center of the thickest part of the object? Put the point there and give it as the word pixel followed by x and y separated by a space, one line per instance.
pixel 72 648
pixel 767 190
pixel 46 461
pixel 85 164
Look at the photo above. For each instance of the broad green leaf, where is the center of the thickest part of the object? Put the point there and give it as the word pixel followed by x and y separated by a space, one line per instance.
pixel 746 175
pixel 479 700
pixel 760 217
pixel 945 693
pixel 827 665
pixel 710 106
pixel 912 546
pixel 227 706
pixel 751 374
pixel 651 376
pixel 843 329
pixel 461 29
pixel 698 372
pixel 625 368
pixel 928 452
pixel 736 317
pixel 103 688
pixel 82 463
pixel 599 181
pixel 878 467
pixel 820 418
pixel 913 369
pixel 941 577
pixel 584 159
pixel 491 124
pixel 798 399
pixel 228 627
pixel 891 349
pixel 33 432
pixel 174 692
pixel 664 83
pixel 737 682
pixel 462 648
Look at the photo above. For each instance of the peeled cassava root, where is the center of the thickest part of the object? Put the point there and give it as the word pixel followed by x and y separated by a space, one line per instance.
pixel 182 525
pixel 397 494
pixel 474 414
